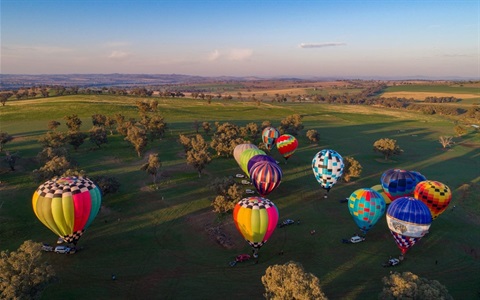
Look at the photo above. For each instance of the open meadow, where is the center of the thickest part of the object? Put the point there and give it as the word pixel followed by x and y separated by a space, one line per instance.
pixel 159 242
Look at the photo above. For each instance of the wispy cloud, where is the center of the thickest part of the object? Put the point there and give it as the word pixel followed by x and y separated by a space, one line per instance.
pixel 240 54
pixel 321 45
pixel 38 49
pixel 119 55
pixel 214 55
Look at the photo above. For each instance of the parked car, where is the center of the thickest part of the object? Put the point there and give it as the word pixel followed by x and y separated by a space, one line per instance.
pixel 242 257
pixel 249 191
pixel 47 247
pixel 240 176
pixel 62 249
pixel 356 239
pixel 286 223
pixel 391 262
pixel 246 182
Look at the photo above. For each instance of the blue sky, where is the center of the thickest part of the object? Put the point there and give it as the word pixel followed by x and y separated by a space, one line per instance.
pixel 242 38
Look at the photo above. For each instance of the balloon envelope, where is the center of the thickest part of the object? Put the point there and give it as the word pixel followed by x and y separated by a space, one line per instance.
pixel 435 195
pixel 269 136
pixel 408 220
pixel 366 207
pixel 266 176
pixel 257 158
pixel 67 205
pixel 379 189
pixel 256 219
pixel 286 145
pixel 327 166
pixel 238 150
pixel 398 183
pixel 246 156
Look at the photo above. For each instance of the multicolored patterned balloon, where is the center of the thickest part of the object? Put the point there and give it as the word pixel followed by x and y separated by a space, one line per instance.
pixel 286 145
pixel 246 156
pixel 266 176
pixel 256 219
pixel 379 189
pixel 366 207
pixel 67 206
pixel 269 136
pixel 327 166
pixel 408 220
pixel 435 195
pixel 398 183
pixel 238 150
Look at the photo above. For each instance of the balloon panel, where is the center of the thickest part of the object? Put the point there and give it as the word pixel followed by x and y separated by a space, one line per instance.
pixel 409 217
pixel 238 150
pixel 269 136
pixel 327 166
pixel 67 205
pixel 398 183
pixel 246 156
pixel 435 195
pixel 257 158
pixel 266 176
pixel 286 145
pixel 255 218
pixel 366 207
pixel 379 189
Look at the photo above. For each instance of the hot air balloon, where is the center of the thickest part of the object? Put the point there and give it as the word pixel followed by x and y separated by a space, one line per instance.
pixel 418 176
pixel 255 218
pixel 366 207
pixel 379 189
pixel 67 206
pixel 238 150
pixel 266 176
pixel 408 220
pixel 269 136
pixel 398 183
pixel 286 145
pixel 258 158
pixel 327 166
pixel 435 195
pixel 246 156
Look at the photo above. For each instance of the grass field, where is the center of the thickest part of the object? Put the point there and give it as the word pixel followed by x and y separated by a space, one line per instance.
pixel 156 242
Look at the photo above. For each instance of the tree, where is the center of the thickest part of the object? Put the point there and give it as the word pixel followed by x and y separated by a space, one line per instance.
pixel 460 130
pixel 387 147
pixel 446 141
pixel 154 125
pixel 4 97
pixel 99 120
pixel 107 184
pixel 313 136
pixel 407 285
pixel 290 281
pixel 228 194
pixel 11 159
pixel 76 138
pixel 4 138
pixel 53 139
pixel 98 135
pixel 110 124
pixel 225 139
pixel 138 138
pixel 54 167
pixel 48 153
pixel 73 122
pixel 152 166
pixel 198 155
pixel 186 142
pixel 206 127
pixel 221 205
pixel 23 274
pixel 291 125
pixel 53 125
pixel 252 131
pixel 352 168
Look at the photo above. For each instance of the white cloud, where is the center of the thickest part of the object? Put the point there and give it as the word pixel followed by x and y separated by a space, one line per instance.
pixel 321 45
pixel 119 55
pixel 214 55
pixel 240 54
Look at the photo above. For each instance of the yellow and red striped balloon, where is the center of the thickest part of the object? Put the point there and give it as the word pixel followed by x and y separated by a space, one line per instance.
pixel 286 145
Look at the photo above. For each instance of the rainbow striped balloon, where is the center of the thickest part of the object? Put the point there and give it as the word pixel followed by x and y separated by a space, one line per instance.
pixel 256 219
pixel 269 136
pixel 286 145
pixel 266 176
pixel 67 206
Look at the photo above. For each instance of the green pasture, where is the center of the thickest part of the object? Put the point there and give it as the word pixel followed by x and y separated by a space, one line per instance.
pixel 155 240
pixel 454 89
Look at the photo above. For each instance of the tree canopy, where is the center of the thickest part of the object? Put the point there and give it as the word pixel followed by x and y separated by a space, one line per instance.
pixel 387 147
pixel 407 285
